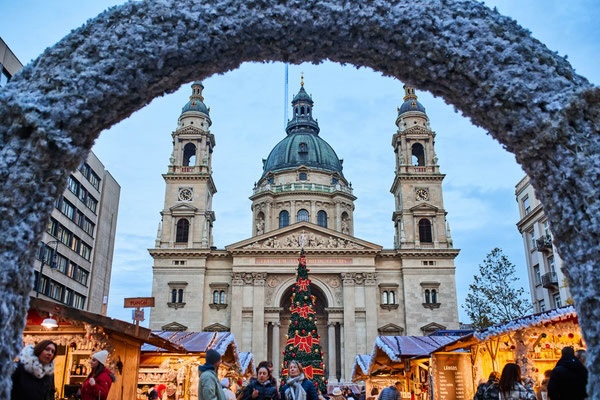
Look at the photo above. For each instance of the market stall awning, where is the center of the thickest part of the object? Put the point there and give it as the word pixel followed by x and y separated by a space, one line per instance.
pixel 361 367
pixel 563 314
pixel 247 363
pixel 64 312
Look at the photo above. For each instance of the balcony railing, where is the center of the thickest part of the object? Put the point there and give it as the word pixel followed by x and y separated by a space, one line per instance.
pixel 544 244
pixel 311 187
pixel 549 280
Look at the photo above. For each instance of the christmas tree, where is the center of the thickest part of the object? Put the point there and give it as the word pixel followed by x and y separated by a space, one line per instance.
pixel 302 338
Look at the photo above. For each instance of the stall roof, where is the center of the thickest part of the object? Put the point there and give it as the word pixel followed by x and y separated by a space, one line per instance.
pixel 361 367
pixel 194 342
pixel 142 334
pixel 247 362
pixel 546 317
pixel 401 347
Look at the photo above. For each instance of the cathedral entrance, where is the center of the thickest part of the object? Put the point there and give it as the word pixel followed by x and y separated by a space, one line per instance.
pixel 322 323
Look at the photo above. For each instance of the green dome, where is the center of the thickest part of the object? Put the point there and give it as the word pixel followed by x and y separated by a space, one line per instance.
pixel 302 146
pixel 196 102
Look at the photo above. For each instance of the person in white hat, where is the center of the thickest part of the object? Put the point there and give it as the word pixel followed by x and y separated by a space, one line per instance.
pixel 228 393
pixel 337 394
pixel 98 382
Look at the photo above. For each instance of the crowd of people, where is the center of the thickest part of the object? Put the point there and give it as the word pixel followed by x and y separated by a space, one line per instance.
pixel 568 380
pixel 33 378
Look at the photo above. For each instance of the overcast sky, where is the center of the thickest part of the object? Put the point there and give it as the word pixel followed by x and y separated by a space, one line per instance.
pixel 356 110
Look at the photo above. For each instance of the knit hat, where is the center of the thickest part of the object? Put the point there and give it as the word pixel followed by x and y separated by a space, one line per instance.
pixel 212 356
pixel 337 391
pixel 225 382
pixel 101 356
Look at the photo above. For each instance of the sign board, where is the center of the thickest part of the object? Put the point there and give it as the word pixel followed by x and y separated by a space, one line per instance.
pixel 452 376
pixel 138 302
pixel 137 315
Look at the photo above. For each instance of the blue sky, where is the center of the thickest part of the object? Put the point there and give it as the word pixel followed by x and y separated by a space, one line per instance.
pixel 356 110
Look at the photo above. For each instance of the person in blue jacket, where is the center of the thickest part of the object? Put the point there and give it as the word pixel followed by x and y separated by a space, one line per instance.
pixel 297 386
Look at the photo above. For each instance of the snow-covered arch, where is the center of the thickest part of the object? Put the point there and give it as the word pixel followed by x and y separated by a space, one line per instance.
pixel 488 67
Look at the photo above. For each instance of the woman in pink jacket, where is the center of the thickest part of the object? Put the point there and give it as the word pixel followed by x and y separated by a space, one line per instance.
pixel 98 382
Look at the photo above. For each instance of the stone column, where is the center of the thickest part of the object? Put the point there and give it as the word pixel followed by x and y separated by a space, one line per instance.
pixel 275 349
pixel 313 212
pixel 332 367
pixel 258 320
pixel 237 292
pixel 371 307
pixel 349 337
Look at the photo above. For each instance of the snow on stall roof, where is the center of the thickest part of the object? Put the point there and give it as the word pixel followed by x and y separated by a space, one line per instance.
pixel 363 361
pixel 195 342
pixel 559 314
pixel 398 347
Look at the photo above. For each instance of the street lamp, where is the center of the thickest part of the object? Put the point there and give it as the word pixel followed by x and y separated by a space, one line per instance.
pixel 52 263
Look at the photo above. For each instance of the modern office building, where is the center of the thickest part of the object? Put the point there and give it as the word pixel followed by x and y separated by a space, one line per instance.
pixel 547 284
pixel 303 199
pixel 74 263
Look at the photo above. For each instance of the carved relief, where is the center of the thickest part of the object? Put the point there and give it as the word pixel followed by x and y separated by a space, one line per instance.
pixel 311 240
pixel 359 278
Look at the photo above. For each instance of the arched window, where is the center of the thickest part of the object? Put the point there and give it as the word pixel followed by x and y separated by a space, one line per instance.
pixel 183 230
pixel 223 299
pixel 177 296
pixel 216 297
pixel 302 216
pixel 384 297
pixel 189 155
pixel 418 154
pixel 284 219
pixel 427 296
pixel 434 296
pixel 322 219
pixel 425 231
pixel 392 297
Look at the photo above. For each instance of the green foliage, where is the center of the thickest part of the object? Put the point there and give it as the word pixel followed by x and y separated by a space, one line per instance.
pixel 303 339
pixel 493 297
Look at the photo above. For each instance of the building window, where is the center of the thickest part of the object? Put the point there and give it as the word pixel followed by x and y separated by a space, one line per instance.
pixel 183 230
pixel 551 267
pixel 68 209
pixel 425 235
pixel 189 155
pixel 526 205
pixel 430 294
pixel 418 155
pixel 302 216
pixel 531 235
pixel 177 294
pixel 302 176
pixel 557 300
pixel 219 295
pixel 387 293
pixel 541 306
pixel 73 185
pixel 322 219
pixel 537 274
pixel 284 219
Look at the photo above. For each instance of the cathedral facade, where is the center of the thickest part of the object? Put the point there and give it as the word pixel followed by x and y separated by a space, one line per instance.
pixel 303 199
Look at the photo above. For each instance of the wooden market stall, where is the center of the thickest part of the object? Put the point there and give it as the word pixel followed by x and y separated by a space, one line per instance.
pixel 403 359
pixel 78 335
pixel 534 342
pixel 178 371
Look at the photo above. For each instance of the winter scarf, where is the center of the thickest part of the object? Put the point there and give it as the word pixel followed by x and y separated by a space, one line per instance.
pixel 31 363
pixel 295 391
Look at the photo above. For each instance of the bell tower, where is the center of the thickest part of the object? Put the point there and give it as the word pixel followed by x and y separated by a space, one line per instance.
pixel 420 217
pixel 187 217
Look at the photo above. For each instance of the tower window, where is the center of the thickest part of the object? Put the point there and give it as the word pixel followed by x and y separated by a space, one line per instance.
pixel 418 154
pixel 430 294
pixel 322 219
pixel 303 148
pixel 176 298
pixel 284 219
pixel 183 229
pixel 302 216
pixel 219 295
pixel 189 155
pixel 425 231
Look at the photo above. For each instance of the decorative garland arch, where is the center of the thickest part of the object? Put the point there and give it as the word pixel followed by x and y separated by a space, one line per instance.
pixel 487 66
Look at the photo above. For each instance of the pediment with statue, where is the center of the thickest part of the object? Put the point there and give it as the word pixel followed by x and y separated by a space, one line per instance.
pixel 303 235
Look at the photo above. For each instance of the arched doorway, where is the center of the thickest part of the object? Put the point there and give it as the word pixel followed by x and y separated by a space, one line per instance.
pixel 322 318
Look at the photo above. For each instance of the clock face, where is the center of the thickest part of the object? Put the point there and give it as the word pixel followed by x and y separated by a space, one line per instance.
pixel 422 194
pixel 185 194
